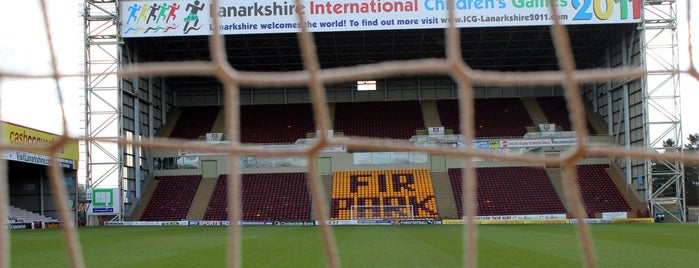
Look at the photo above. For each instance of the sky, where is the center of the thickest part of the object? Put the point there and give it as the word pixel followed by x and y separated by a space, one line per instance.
pixel 33 103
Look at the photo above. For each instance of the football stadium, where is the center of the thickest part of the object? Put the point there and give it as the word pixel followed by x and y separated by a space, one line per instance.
pixel 363 133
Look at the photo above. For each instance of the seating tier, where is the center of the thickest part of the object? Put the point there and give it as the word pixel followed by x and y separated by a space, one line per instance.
pixel 195 122
pixel 505 117
pixel 172 198
pixel 598 190
pixel 392 119
pixel 275 123
pixel 265 197
pixel 389 191
pixel 510 191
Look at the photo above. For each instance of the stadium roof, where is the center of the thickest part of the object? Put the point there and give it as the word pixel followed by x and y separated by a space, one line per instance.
pixel 527 48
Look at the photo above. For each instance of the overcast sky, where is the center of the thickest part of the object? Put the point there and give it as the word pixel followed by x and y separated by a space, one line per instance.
pixel 34 103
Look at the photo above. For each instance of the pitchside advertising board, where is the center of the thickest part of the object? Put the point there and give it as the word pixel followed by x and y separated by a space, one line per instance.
pixel 195 17
pixel 104 202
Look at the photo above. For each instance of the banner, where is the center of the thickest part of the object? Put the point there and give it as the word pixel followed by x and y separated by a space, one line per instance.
pixel 146 223
pixel 20 225
pixel 591 221
pixel 339 222
pixel 38 159
pixel 194 17
pixel 614 215
pixel 523 217
pixel 31 138
pixel 255 223
pixel 634 220
pixel 417 222
pixel 294 223
pixel 509 221
pixel 104 202
pixel 209 223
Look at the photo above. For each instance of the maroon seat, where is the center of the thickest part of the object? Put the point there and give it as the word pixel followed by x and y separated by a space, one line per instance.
pixel 195 122
pixel 275 123
pixel 265 197
pixel 510 191
pixel 598 190
pixel 392 119
pixel 556 111
pixel 505 117
pixel 172 198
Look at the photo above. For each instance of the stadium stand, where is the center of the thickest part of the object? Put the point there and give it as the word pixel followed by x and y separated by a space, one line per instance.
pixel 510 191
pixel 275 123
pixel 505 117
pixel 392 119
pixel 16 214
pixel 172 198
pixel 383 188
pixel 266 197
pixel 599 192
pixel 194 122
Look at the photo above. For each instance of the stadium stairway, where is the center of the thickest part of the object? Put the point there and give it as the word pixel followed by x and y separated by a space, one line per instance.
pixel 616 175
pixel 143 202
pixel 430 113
pixel 331 111
pixel 201 199
pixel 635 202
pixel 535 113
pixel 328 188
pixel 446 205
pixel 557 181
pixel 172 117
pixel 596 122
pixel 220 122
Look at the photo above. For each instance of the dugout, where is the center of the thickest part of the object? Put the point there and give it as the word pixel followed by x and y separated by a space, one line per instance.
pixel 519 41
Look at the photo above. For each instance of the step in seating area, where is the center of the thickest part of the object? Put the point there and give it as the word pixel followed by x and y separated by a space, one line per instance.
pixel 392 119
pixel 505 117
pixel 172 198
pixel 16 214
pixel 598 190
pixel 389 192
pixel 510 191
pixel 275 123
pixel 194 122
pixel 265 197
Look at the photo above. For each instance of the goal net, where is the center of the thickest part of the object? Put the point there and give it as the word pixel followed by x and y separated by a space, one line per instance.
pixel 315 78
pixel 382 212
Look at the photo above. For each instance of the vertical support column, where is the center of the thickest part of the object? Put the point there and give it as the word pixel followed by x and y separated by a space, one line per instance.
pixel 661 98
pixel 103 122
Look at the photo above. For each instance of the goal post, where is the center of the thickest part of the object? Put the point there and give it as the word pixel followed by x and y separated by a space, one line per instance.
pixel 382 212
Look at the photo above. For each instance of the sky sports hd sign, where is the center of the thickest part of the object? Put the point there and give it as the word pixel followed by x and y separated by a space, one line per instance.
pixel 194 17
pixel 104 202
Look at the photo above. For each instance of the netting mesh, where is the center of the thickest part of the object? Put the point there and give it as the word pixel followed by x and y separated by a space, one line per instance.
pixel 315 78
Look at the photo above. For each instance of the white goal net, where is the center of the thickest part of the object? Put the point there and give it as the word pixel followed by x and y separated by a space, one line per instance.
pixel 314 77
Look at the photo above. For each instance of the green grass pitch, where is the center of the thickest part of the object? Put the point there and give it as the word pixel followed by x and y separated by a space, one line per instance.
pixel 616 245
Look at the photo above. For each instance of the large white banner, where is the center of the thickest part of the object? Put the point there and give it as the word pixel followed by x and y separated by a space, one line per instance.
pixel 194 17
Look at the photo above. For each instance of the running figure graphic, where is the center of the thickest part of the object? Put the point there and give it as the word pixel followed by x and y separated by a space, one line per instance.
pixel 193 10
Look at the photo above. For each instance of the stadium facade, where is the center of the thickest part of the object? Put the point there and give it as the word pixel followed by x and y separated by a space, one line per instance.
pixel 260 36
